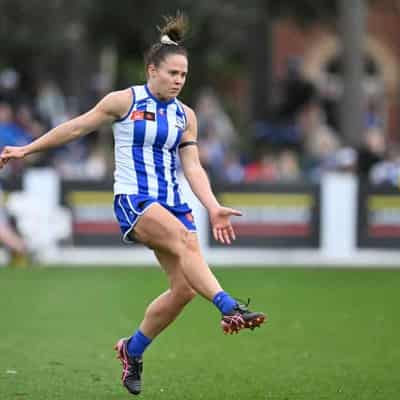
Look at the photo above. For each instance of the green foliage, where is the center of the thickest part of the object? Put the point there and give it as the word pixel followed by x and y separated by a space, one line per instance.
pixel 132 70
pixel 37 26
pixel 41 36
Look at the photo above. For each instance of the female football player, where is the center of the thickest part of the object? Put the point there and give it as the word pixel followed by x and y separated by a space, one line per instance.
pixel 150 125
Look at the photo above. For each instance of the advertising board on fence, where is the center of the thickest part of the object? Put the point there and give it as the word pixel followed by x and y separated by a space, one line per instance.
pixel 379 217
pixel 93 221
pixel 276 215
pixel 273 215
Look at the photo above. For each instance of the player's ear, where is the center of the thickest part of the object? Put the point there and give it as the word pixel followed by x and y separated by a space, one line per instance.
pixel 151 70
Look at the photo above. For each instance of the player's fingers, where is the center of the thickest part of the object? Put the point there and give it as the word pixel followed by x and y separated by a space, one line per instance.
pixel 225 234
pixel 231 232
pixel 215 234
pixel 220 236
pixel 237 213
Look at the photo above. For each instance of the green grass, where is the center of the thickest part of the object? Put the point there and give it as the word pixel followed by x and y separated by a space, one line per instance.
pixel 332 334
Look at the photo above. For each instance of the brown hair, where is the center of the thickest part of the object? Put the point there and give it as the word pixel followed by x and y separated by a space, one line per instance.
pixel 171 36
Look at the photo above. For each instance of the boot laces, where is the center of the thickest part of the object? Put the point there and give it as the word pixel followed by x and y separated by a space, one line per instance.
pixel 242 306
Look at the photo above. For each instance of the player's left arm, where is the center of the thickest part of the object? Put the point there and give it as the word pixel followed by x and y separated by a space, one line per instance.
pixel 200 184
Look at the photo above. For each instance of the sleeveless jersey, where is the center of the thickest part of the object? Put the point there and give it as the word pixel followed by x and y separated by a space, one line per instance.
pixel 146 141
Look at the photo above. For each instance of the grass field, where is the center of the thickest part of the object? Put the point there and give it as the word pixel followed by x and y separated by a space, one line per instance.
pixel 332 334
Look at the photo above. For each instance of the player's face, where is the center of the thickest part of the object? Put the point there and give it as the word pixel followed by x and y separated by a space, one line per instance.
pixel 169 77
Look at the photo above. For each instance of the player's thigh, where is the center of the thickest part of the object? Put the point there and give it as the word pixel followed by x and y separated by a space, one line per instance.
pixel 172 264
pixel 158 229
pixel 173 268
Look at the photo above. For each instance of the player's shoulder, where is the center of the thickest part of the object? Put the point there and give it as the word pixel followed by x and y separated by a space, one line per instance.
pixel 118 102
pixel 190 114
pixel 191 120
pixel 120 96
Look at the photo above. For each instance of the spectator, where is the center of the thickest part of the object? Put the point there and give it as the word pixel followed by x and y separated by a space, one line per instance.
pixel 69 160
pixel 232 171
pixel 344 160
pixel 212 151
pixel 211 116
pixel 10 238
pixel 288 166
pixel 264 170
pixel 387 171
pixel 372 151
pixel 9 81
pixel 10 133
pixel 320 141
pixel 51 103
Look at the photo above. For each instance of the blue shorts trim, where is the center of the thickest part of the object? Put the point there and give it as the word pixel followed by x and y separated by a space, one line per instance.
pixel 129 207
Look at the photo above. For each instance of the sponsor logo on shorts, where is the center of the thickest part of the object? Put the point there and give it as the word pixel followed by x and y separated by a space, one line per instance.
pixel 189 217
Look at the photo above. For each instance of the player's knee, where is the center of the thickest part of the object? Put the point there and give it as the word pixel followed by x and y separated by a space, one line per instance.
pixel 192 244
pixel 179 240
pixel 184 293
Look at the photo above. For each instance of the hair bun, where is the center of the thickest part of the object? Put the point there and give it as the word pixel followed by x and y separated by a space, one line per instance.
pixel 174 29
pixel 165 39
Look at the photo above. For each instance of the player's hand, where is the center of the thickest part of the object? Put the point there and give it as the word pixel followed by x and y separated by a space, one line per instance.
pixel 11 153
pixel 221 224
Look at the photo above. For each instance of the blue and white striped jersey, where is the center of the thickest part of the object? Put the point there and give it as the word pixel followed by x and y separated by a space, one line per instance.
pixel 146 141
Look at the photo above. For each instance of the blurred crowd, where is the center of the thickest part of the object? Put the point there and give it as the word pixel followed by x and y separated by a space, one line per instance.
pixel 24 118
pixel 298 139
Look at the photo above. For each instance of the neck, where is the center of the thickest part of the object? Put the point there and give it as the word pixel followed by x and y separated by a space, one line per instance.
pixel 156 93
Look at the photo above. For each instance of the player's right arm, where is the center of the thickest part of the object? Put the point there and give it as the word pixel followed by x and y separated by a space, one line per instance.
pixel 110 108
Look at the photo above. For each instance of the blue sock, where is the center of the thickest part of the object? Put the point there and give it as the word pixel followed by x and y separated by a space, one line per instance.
pixel 137 344
pixel 224 302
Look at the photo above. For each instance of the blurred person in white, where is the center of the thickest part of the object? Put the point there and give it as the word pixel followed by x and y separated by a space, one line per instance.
pixel 9 82
pixel 387 171
pixel 12 241
pixel 50 103
pixel 95 167
pixel 288 166
pixel 74 161
pixel 150 125
pixel 320 141
pixel 344 160
pixel 218 132
pixel 233 170
pixel 70 160
pixel 210 113
pixel 80 160
pixel 211 151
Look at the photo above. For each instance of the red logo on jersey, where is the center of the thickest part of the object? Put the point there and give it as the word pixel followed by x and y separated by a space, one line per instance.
pixel 141 115
pixel 137 115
